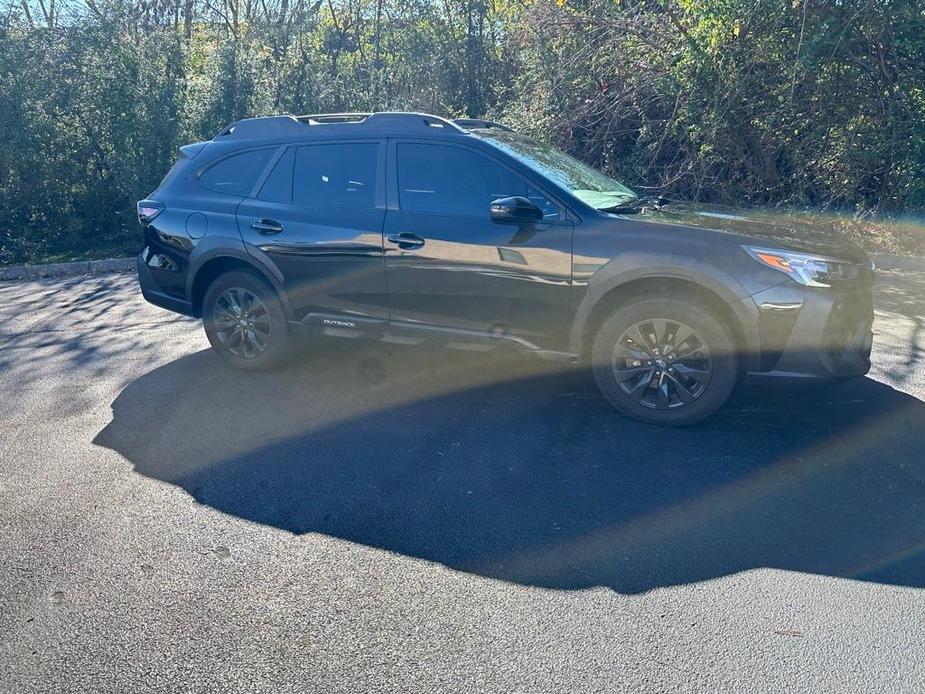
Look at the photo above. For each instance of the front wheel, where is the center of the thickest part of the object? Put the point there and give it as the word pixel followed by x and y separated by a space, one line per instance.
pixel 664 361
pixel 245 322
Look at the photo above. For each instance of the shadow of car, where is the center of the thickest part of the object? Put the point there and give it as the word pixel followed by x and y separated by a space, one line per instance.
pixel 520 471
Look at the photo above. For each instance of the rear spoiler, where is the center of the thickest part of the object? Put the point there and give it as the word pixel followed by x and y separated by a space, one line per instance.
pixel 187 153
pixel 190 151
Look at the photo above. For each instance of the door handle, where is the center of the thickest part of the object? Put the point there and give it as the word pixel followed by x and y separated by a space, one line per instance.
pixel 267 226
pixel 405 240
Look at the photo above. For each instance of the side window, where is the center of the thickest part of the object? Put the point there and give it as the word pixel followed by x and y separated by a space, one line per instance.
pixel 238 173
pixel 278 186
pixel 453 181
pixel 343 175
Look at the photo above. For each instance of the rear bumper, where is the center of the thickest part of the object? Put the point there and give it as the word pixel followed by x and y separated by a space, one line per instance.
pixel 153 292
pixel 812 334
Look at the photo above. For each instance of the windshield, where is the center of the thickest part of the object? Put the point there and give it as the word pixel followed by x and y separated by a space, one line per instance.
pixel 587 184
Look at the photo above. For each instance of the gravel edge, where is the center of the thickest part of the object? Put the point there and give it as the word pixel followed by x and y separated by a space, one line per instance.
pixel 83 267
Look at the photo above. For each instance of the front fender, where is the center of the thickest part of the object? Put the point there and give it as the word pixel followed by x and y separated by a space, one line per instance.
pixel 630 267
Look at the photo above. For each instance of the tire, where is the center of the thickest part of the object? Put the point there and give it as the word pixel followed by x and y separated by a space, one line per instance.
pixel 262 340
pixel 684 386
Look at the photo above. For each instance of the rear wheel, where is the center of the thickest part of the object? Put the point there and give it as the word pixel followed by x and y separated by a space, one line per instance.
pixel 664 361
pixel 245 322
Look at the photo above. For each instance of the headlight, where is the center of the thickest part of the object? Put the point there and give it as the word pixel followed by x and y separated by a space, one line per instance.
pixel 809 270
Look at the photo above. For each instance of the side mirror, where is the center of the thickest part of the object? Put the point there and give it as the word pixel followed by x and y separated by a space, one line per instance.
pixel 515 210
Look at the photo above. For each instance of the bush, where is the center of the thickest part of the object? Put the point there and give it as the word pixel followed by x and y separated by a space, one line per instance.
pixel 810 104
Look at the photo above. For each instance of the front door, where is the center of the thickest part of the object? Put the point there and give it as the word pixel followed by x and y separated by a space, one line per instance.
pixel 318 218
pixel 449 265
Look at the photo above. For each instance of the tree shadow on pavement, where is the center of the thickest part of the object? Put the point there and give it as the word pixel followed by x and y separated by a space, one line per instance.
pixel 520 471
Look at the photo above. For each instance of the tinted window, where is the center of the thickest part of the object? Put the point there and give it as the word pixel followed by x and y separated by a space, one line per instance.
pixel 341 175
pixel 278 186
pixel 455 181
pixel 238 173
pixel 177 165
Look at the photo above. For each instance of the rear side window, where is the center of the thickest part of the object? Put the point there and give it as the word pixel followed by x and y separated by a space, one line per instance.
pixel 238 173
pixel 343 175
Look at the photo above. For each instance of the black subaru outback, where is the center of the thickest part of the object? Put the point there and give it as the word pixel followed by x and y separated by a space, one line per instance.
pixel 407 228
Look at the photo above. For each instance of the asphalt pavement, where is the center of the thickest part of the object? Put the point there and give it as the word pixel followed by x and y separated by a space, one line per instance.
pixel 381 519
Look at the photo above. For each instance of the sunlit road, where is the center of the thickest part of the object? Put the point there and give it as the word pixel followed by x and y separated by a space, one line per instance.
pixel 378 519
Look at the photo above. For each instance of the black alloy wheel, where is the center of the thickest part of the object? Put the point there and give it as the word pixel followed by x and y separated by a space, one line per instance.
pixel 665 360
pixel 662 363
pixel 245 321
pixel 242 323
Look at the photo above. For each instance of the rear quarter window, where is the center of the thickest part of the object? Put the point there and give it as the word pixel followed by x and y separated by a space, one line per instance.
pixel 278 186
pixel 237 174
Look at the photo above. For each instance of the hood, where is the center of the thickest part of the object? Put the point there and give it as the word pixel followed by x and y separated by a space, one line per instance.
pixel 796 231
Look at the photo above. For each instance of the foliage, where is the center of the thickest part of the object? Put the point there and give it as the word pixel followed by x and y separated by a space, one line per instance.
pixel 811 103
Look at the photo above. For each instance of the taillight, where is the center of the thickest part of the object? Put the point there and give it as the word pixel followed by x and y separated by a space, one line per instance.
pixel 148 210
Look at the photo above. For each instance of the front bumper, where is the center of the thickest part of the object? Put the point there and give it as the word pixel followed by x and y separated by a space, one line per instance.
pixel 812 334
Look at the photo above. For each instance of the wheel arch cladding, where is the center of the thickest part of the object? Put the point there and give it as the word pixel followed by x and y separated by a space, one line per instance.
pixel 660 286
pixel 219 265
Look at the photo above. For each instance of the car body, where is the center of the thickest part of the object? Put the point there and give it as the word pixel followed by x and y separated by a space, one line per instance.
pixel 407 228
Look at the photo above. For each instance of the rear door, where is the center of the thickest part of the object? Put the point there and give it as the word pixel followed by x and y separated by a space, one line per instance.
pixel 318 218
pixel 449 265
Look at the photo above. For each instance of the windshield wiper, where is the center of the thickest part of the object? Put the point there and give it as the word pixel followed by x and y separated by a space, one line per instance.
pixel 637 204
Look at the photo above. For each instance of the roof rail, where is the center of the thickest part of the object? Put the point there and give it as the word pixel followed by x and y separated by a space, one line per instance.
pixel 403 122
pixel 399 123
pixel 322 118
pixel 268 126
pixel 480 123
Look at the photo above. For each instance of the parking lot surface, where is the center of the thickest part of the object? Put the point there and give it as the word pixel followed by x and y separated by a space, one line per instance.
pixel 381 519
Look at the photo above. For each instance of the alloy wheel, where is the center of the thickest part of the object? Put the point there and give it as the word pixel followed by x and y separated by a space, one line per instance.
pixel 662 363
pixel 242 323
